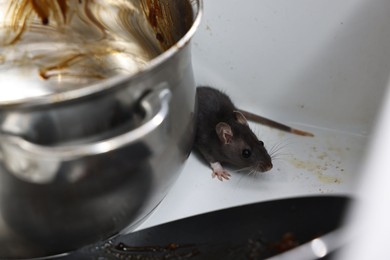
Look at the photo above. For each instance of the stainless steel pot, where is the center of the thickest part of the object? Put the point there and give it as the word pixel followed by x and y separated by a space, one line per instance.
pixel 80 162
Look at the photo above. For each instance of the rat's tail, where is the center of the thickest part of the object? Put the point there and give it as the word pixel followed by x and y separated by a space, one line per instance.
pixel 265 121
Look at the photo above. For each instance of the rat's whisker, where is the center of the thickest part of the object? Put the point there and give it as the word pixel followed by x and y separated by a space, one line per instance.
pixel 271 149
pixel 243 169
pixel 277 147
pixel 276 157
pixel 258 168
pixel 278 152
pixel 239 180
pixel 248 170
pixel 253 172
pixel 280 156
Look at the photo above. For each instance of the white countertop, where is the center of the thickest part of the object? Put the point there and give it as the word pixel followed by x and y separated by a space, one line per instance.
pixel 325 164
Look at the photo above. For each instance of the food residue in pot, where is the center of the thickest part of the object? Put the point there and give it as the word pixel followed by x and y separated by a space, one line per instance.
pixel 73 42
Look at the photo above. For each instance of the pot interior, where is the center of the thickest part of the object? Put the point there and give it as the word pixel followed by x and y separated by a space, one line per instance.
pixel 50 47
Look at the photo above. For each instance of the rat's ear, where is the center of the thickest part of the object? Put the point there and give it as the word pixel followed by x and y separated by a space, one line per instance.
pixel 224 132
pixel 240 118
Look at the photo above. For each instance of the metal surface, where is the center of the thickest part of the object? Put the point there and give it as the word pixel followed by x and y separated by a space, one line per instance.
pixel 254 231
pixel 70 53
pixel 80 165
pixel 40 164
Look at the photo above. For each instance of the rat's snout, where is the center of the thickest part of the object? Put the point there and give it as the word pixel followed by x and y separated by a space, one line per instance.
pixel 264 167
pixel 268 167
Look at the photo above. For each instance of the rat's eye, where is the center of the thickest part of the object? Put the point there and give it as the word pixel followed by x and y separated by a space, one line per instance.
pixel 246 153
pixel 261 143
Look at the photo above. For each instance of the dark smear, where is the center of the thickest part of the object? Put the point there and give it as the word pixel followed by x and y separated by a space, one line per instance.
pixel 63 7
pixel 287 242
pixel 170 247
pixel 152 17
pixel 160 37
pixel 41 11
pixel 170 251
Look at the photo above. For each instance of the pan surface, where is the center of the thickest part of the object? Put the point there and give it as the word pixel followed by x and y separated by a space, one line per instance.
pixel 254 231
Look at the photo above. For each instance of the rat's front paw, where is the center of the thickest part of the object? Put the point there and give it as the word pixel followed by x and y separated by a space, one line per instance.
pixel 221 175
pixel 219 172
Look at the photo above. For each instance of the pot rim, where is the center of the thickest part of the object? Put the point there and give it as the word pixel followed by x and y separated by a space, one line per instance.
pixel 110 83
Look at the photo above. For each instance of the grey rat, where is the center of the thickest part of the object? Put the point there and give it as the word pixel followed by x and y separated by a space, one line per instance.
pixel 223 134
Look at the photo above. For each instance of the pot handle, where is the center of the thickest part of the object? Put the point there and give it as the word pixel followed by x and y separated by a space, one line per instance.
pixel 156 106
pixel 39 163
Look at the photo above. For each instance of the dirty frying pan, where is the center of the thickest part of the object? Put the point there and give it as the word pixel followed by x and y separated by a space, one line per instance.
pixel 254 231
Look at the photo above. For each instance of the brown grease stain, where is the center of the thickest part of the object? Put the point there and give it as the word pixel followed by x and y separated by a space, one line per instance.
pixel 317 168
pixel 41 10
pixel 160 37
pixel 91 17
pixel 22 14
pixel 157 20
pixel 154 12
pixel 168 20
pixel 326 163
pixel 76 59
pixel 67 63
